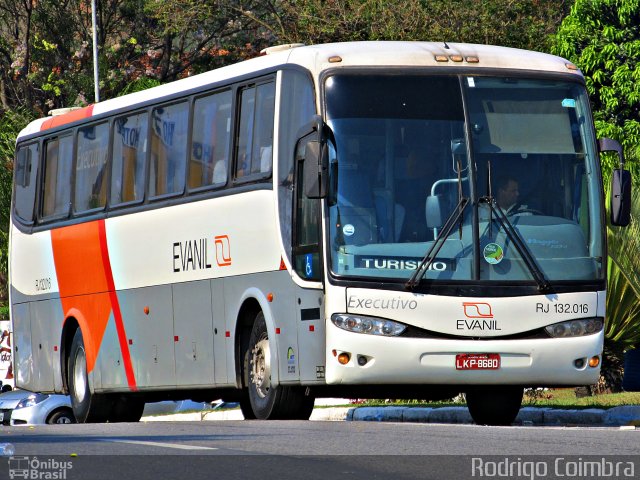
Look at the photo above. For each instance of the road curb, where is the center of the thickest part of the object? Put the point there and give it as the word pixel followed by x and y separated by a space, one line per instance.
pixel 628 415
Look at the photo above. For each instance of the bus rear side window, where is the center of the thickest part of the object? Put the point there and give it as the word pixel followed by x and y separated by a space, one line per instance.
pixel 168 149
pixel 129 155
pixel 25 182
pixel 91 167
pixel 57 177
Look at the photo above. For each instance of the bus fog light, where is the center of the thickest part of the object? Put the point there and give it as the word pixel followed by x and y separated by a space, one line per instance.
pixel 362 360
pixel 368 325
pixel 344 358
pixel 594 361
pixel 579 363
pixel 575 328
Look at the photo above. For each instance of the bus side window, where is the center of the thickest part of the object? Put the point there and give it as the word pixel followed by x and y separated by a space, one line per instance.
pixel 57 177
pixel 168 149
pixel 91 168
pixel 25 182
pixel 129 158
pixel 254 153
pixel 209 152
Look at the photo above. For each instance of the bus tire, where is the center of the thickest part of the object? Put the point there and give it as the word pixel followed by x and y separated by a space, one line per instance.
pixel 87 407
pixel 271 402
pixel 245 406
pixel 494 405
pixel 126 408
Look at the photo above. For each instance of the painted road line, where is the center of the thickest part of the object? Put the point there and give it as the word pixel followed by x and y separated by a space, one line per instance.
pixel 177 446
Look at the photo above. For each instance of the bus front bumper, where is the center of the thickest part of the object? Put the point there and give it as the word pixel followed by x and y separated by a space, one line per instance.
pixel 401 360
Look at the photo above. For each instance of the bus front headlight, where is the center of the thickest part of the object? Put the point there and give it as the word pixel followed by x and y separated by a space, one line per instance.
pixel 576 328
pixel 369 325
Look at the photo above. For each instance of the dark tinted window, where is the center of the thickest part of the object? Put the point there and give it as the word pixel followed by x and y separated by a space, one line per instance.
pixel 168 149
pixel 129 158
pixel 91 167
pixel 209 157
pixel 255 135
pixel 385 96
pixel 57 177
pixel 25 181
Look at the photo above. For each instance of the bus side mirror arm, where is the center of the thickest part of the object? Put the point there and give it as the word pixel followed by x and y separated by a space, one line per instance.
pixel 620 200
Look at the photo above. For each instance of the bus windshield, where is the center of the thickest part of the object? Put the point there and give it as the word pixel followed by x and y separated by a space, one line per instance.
pixel 406 149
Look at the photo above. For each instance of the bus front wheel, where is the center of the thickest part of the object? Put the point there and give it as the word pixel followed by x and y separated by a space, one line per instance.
pixel 125 408
pixel 269 402
pixel 494 405
pixel 87 407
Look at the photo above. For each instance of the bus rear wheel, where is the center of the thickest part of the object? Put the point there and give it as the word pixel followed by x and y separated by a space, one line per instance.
pixel 494 405
pixel 87 407
pixel 269 402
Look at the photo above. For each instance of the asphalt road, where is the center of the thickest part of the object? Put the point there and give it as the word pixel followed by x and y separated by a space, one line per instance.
pixel 309 450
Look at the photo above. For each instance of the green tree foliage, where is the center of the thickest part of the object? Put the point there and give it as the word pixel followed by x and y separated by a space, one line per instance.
pixel 602 37
pixel 520 24
pixel 46 47
pixel 46 56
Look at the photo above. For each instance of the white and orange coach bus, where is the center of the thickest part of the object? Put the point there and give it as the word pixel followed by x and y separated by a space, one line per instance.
pixel 322 220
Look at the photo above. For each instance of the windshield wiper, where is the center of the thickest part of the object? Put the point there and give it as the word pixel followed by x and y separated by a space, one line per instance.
pixel 430 256
pixel 529 260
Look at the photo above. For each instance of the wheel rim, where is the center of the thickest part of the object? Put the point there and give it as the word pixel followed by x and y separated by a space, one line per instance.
pixel 63 420
pixel 80 375
pixel 261 367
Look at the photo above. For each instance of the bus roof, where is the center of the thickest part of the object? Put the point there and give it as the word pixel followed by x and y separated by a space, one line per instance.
pixel 317 58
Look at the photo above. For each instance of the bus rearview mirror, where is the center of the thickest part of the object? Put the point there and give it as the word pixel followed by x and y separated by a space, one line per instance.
pixel 620 197
pixel 620 201
pixel 610 145
pixel 315 170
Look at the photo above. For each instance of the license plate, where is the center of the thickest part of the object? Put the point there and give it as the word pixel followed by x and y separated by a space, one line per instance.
pixel 1 417
pixel 478 361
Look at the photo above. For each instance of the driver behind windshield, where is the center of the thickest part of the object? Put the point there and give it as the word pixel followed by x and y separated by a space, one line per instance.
pixel 507 196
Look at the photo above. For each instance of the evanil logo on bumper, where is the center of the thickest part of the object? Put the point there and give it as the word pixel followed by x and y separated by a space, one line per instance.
pixel 479 317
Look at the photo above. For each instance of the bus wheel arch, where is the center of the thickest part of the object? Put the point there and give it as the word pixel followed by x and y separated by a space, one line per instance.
pixel 245 319
pixel 263 398
pixel 66 339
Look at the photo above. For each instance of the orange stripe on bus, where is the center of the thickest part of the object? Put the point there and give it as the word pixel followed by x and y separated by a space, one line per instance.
pixel 72 116
pixel 115 305
pixel 86 286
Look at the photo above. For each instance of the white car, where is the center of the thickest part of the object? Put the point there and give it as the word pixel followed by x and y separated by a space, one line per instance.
pixel 21 407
